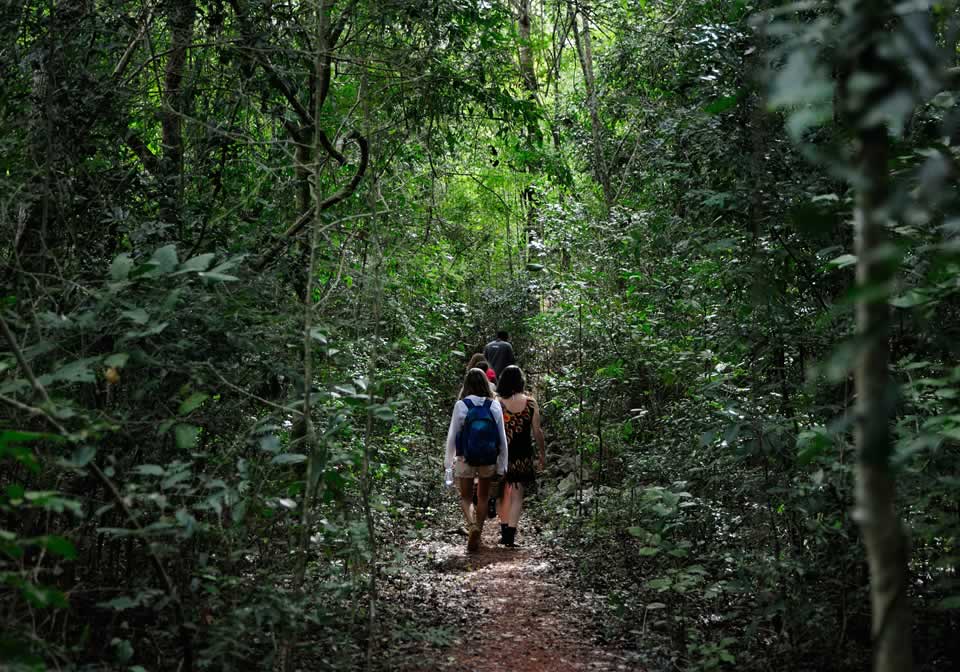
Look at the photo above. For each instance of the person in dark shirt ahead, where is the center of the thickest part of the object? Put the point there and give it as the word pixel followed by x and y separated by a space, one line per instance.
pixel 499 353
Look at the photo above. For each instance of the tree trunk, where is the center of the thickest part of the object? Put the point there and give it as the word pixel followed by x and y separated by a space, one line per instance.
pixel 35 233
pixel 528 77
pixel 887 550
pixel 528 73
pixel 584 45
pixel 886 544
pixel 181 15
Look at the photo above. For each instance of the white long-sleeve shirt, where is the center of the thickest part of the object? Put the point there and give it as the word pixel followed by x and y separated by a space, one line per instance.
pixel 456 423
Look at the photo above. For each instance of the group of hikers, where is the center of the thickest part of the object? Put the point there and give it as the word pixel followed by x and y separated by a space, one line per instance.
pixel 489 452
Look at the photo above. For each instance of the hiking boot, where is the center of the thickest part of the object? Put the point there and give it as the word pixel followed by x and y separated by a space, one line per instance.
pixel 503 533
pixel 492 508
pixel 511 538
pixel 473 542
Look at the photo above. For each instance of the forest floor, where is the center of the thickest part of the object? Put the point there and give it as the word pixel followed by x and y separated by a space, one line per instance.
pixel 509 609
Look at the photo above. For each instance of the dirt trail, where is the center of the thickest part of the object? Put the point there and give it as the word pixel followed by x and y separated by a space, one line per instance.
pixel 525 619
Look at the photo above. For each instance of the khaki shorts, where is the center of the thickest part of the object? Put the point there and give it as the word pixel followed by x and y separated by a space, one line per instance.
pixel 463 470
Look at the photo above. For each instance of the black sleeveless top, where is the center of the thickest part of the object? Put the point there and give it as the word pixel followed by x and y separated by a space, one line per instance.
pixel 521 467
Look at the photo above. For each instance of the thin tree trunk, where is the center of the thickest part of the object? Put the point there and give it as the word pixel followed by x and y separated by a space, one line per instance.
pixel 584 45
pixel 366 480
pixel 316 458
pixel 33 235
pixel 887 549
pixel 180 19
pixel 527 71
pixel 886 544
pixel 528 77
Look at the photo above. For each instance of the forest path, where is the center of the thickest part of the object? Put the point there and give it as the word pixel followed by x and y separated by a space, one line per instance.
pixel 511 607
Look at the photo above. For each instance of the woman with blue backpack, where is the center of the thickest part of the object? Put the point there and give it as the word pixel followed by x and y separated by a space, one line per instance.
pixel 476 448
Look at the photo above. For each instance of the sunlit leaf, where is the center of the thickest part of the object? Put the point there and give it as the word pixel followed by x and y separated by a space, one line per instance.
pixel 191 403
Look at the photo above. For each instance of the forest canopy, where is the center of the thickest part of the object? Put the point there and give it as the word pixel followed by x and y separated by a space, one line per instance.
pixel 248 246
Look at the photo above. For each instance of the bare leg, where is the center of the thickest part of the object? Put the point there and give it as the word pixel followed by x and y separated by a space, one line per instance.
pixel 483 497
pixel 466 500
pixel 515 504
pixel 504 503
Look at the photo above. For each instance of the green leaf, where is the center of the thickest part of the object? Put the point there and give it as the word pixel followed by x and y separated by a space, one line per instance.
pixel 316 333
pixel 636 531
pixel 192 403
pixel 804 88
pixel 218 273
pixel 659 584
pixel 149 470
pixel 137 315
pixel 269 443
pixel 151 331
pixel 173 479
pixel 811 444
pixel 42 596
pixel 119 603
pixel 9 437
pixel 76 372
pixel 123 650
pixel 53 501
pixel 60 546
pixel 384 413
pixel 117 360
pixel 843 261
pixel 120 268
pixel 196 264
pixel 910 299
pixel 944 100
pixel 165 259
pixel 185 436
pixel 722 104
pixel 289 458
pixel 81 456
pixel 220 277
pixel 187 522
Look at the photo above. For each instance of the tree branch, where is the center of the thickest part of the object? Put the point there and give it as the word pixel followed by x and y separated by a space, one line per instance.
pixel 342 194
pixel 132 47
pixel 276 79
pixel 150 160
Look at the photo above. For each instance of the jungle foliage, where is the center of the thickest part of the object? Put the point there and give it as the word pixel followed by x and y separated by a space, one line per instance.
pixel 247 246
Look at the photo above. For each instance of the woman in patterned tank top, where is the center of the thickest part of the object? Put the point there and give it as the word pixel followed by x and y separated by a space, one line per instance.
pixel 521 417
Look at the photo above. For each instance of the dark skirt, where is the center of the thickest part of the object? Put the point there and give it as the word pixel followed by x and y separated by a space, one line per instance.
pixel 521 470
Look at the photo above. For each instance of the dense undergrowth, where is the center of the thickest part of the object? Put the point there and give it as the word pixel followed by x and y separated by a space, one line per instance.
pixel 247 247
pixel 714 521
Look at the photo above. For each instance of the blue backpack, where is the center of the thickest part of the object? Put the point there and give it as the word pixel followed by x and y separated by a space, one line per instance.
pixel 479 438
